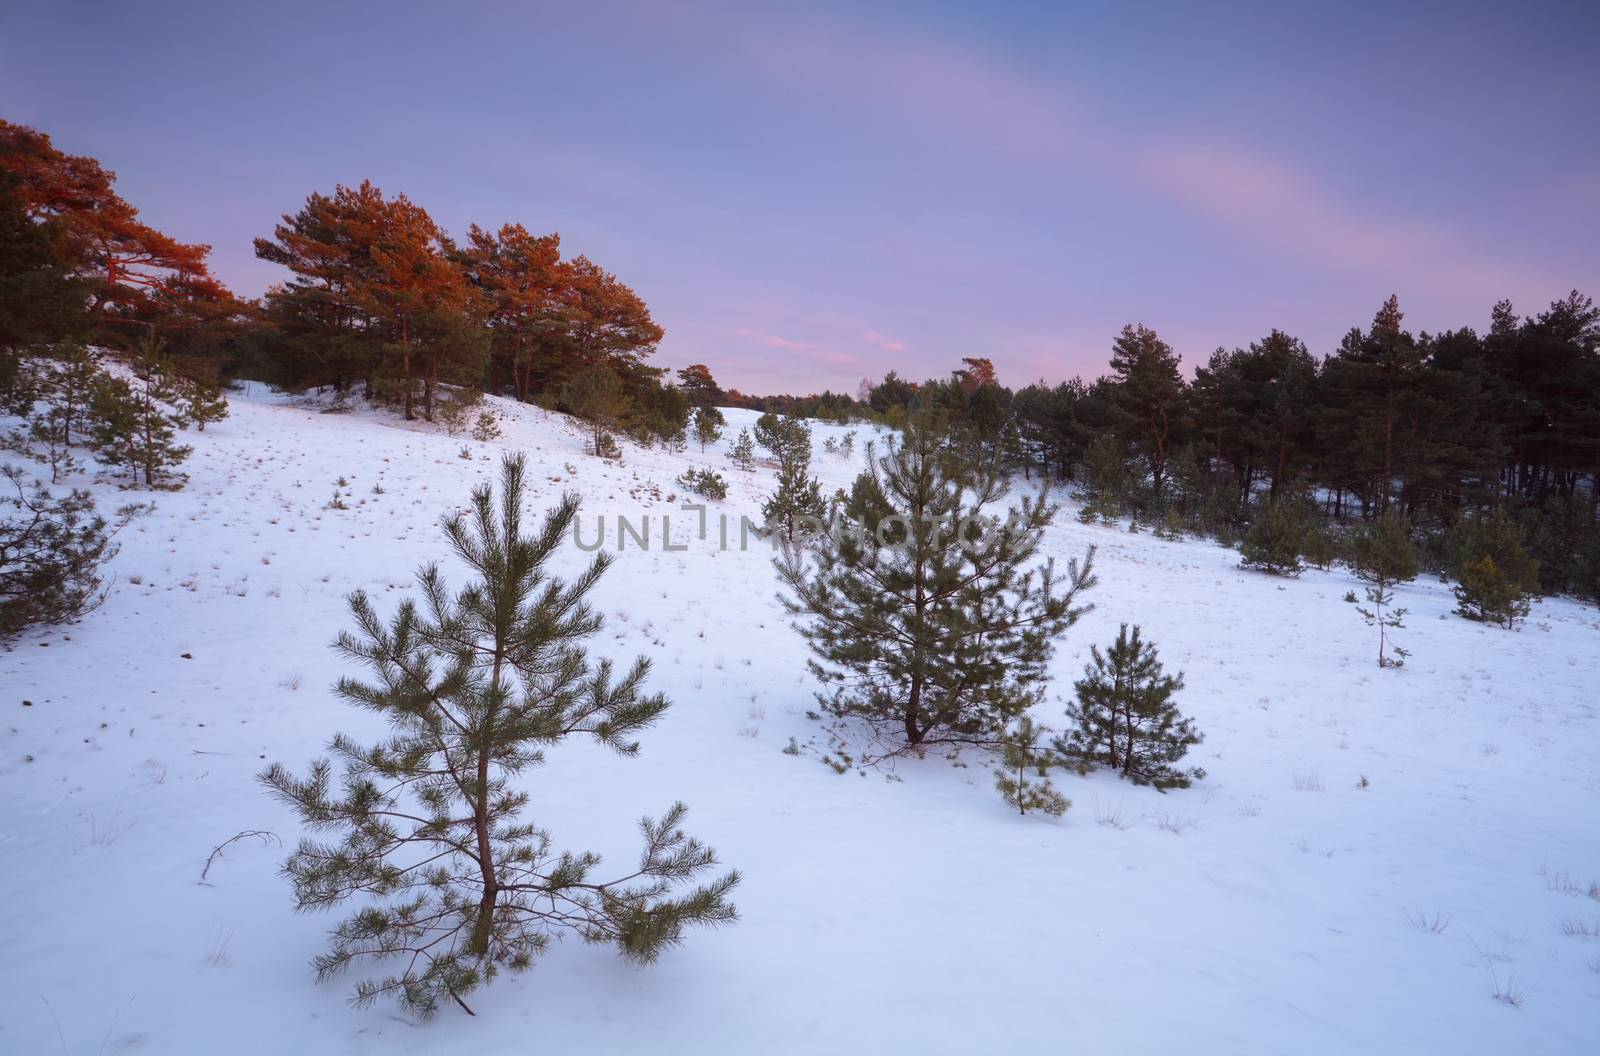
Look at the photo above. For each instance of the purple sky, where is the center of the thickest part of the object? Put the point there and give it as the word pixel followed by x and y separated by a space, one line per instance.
pixel 807 194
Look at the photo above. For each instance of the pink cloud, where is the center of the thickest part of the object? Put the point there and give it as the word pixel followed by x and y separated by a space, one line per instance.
pixel 883 341
pixel 771 340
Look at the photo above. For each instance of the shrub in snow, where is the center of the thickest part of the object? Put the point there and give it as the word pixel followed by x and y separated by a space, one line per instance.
pixel 51 552
pixel 925 619
pixel 1125 719
pixel 1495 575
pixel 1273 542
pixel 704 482
pixel 1023 776
pixel 487 427
pixel 428 825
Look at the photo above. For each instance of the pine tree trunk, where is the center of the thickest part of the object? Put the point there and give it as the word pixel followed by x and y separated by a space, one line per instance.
pixel 914 709
pixel 405 364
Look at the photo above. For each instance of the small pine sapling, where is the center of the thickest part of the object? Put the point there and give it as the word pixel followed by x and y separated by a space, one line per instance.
pixel 704 482
pixel 743 452
pixel 429 824
pixel 1023 776
pixel 487 428
pixel 1124 717
pixel 200 396
pixel 1382 557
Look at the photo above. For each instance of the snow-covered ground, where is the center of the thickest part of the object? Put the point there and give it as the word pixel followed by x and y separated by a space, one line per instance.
pixel 1281 905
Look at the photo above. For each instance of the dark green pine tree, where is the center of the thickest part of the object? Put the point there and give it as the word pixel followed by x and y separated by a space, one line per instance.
pixel 1125 718
pixel 708 423
pixel 796 509
pixel 1382 557
pixel 1105 482
pixel 1023 776
pixel 1274 541
pixel 136 423
pixel 927 622
pixel 743 452
pixel 428 825
pixel 1495 575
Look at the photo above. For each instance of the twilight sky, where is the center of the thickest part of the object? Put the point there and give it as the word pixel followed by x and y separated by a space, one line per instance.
pixel 807 194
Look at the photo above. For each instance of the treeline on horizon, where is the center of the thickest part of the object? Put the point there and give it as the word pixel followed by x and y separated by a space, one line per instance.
pixel 380 303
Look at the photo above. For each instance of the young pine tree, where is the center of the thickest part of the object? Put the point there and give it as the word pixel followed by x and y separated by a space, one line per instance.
pixel 925 619
pixel 1023 776
pixel 200 396
pixel 743 452
pixel 52 551
pixel 1104 480
pixel 136 424
pixel 797 507
pixel 708 423
pixel 1273 542
pixel 1382 557
pixel 60 390
pixel 599 398
pixel 1125 718
pixel 1495 575
pixel 428 824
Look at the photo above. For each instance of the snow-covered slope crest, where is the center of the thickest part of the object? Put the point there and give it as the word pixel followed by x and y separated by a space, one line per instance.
pixel 1373 857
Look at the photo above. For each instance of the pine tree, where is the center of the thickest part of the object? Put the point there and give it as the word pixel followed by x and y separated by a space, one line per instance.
pixel 797 507
pixel 1104 480
pixel 1273 542
pixel 200 395
pixel 1125 718
pixel 63 388
pixel 1383 556
pixel 136 424
pixel 52 549
pixel 1149 397
pixel 1495 574
pixel 598 397
pixel 926 622
pixel 1023 776
pixel 476 686
pixel 743 452
pixel 708 423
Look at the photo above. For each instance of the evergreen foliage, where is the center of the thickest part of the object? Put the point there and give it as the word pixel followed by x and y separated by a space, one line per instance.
pixel 796 508
pixel 1273 542
pixel 743 452
pixel 708 423
pixel 704 482
pixel 927 623
pixel 428 826
pixel 1104 480
pixel 598 397
pixel 1495 575
pixel 136 423
pixel 52 549
pixel 1023 776
pixel 1383 556
pixel 1124 717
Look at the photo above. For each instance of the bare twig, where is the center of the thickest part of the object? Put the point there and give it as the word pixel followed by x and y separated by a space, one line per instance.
pixel 259 834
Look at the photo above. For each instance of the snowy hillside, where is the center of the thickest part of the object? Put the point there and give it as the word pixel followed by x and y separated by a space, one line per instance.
pixel 1373 855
